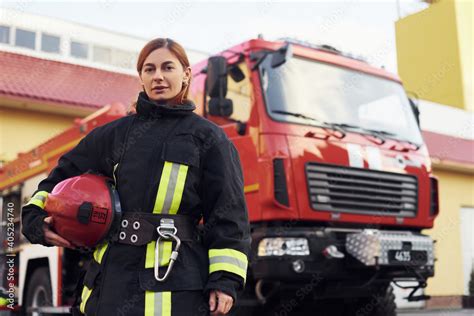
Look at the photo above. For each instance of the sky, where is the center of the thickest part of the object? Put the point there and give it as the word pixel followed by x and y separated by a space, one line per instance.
pixel 363 28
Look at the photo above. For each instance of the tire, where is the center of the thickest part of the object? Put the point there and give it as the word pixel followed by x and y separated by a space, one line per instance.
pixel 387 306
pixel 381 303
pixel 39 292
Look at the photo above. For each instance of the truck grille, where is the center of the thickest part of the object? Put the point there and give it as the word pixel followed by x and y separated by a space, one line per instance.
pixel 361 191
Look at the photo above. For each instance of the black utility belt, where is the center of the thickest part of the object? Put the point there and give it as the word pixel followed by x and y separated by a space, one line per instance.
pixel 139 229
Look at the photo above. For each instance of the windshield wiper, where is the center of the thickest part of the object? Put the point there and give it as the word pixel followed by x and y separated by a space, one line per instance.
pixel 380 132
pixel 375 133
pixel 394 136
pixel 337 127
pixel 385 134
pixel 415 145
pixel 297 115
pixel 343 127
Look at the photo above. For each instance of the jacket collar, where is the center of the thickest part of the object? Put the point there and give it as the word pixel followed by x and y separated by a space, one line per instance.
pixel 148 108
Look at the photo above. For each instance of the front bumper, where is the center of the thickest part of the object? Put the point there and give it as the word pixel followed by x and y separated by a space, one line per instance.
pixel 391 248
pixel 367 254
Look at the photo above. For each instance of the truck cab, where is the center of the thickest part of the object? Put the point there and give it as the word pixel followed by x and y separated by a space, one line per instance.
pixel 338 178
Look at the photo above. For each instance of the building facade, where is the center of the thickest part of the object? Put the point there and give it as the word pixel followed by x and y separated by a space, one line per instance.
pixel 434 49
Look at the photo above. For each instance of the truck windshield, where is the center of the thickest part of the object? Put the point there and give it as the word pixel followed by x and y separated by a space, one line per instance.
pixel 301 89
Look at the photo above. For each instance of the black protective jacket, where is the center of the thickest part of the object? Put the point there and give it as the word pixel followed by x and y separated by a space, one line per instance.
pixel 199 172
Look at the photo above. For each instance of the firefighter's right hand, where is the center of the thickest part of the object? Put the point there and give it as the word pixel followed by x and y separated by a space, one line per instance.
pixel 52 238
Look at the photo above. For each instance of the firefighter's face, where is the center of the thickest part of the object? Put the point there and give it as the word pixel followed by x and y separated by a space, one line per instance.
pixel 163 76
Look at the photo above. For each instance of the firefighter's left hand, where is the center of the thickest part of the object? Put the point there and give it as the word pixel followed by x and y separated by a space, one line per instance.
pixel 220 303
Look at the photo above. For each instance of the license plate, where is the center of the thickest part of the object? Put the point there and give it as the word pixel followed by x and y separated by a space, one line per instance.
pixel 414 257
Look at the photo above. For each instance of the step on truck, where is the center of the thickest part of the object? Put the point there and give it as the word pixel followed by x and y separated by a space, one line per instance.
pixel 338 183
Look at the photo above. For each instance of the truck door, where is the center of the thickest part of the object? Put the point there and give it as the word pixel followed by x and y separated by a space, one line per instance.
pixel 241 128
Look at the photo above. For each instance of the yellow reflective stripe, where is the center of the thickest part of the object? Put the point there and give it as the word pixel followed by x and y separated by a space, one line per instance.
pixel 99 252
pixel 166 304
pixel 165 256
pixel 150 255
pixel 149 303
pixel 162 188
pixel 157 303
pixel 38 199
pixel 230 260
pixel 86 293
pixel 228 253
pixel 178 192
pixel 229 268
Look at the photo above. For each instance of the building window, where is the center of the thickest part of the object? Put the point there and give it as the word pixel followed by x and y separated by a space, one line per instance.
pixel 24 38
pixel 50 43
pixel 239 89
pixel 123 59
pixel 4 34
pixel 102 54
pixel 79 50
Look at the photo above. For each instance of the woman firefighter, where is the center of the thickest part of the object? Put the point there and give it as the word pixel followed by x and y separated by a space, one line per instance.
pixel 170 168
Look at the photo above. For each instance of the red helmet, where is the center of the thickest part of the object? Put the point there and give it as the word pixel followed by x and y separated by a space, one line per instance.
pixel 85 209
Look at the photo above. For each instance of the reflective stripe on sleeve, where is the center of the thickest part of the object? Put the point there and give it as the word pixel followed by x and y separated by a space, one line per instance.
pixel 229 260
pixel 86 293
pixel 38 199
pixel 157 303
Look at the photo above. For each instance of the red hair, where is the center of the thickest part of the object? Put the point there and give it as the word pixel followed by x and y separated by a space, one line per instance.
pixel 177 50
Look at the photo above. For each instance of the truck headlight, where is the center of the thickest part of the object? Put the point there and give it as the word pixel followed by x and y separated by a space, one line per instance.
pixel 283 246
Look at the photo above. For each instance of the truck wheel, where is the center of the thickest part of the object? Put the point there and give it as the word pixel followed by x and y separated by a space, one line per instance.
pixel 381 303
pixel 39 291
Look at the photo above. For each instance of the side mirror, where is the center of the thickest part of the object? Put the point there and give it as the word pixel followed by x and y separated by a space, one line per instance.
pixel 216 81
pixel 415 109
pixel 236 74
pixel 216 87
pixel 221 107
pixel 282 55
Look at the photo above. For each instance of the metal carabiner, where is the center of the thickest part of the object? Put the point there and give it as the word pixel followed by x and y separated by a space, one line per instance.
pixel 167 231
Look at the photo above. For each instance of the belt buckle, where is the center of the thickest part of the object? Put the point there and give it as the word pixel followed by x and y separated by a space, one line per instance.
pixel 166 227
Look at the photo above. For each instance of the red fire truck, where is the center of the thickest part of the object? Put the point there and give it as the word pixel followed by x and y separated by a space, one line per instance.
pixel 338 183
